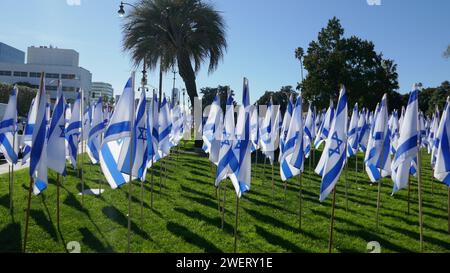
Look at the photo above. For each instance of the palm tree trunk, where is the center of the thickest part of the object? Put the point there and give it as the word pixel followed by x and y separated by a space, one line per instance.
pixel 187 73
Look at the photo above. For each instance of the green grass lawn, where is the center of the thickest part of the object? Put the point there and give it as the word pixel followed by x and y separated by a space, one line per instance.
pixel 185 216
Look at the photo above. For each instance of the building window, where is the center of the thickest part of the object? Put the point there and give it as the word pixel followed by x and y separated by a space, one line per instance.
pixel 50 87
pixel 5 73
pixel 68 88
pixel 52 76
pixel 20 74
pixel 35 74
pixel 68 76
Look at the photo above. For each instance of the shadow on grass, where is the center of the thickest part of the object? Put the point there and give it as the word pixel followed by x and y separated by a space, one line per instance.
pixel 117 216
pixel 192 238
pixel 202 201
pixel 11 238
pixel 196 192
pixel 213 221
pixel 278 240
pixel 269 220
pixel 4 201
pixel 90 240
pixel 41 220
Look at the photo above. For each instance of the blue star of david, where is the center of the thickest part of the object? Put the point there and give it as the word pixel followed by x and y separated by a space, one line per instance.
pixel 142 133
pixel 226 137
pixel 338 145
pixel 285 134
pixel 63 130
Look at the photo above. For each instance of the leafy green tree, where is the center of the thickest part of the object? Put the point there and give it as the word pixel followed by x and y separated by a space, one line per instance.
pixel 173 32
pixel 209 93
pixel 332 60
pixel 438 97
pixel 24 97
pixel 279 97
pixel 447 52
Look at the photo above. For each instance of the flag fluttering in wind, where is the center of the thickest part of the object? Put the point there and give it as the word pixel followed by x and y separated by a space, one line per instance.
pixel 434 140
pixel 334 152
pixel 95 132
pixel 210 125
pixel 38 154
pixel 395 131
pixel 165 127
pixel 324 129
pixel 352 142
pixel 310 131
pixel 56 149
pixel 293 156
pixel 270 136
pixel 378 160
pixel 254 128
pixel 73 130
pixel 118 128
pixel 407 144
pixel 139 144
pixel 28 132
pixel 363 130
pixel 442 166
pixel 285 126
pixel 8 127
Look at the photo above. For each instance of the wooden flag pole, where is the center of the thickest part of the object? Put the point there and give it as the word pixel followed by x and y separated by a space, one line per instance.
pixel 419 189
pixel 27 218
pixel 82 147
pixel 409 192
pixel 57 200
pixel 130 181
pixel 300 201
pixel 236 224
pixel 223 204
pixel 264 169
pixel 160 176
pixel 142 202
pixel 346 185
pixel 273 183
pixel 330 240
pixel 377 217
pixel 10 187
pixel 448 208
pixel 11 182
pixel 151 184
pixel 356 166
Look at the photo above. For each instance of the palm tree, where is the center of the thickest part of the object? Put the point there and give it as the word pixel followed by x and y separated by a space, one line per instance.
pixel 185 33
pixel 299 53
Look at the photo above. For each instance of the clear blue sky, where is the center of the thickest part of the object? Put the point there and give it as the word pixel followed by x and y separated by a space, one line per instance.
pixel 262 36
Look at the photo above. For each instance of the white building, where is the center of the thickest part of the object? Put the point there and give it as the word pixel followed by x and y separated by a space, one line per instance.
pixel 57 63
pixel 102 89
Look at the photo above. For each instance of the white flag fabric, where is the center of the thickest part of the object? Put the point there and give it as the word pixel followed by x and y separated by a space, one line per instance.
pixel 309 131
pixel 165 127
pixel 352 143
pixel 407 143
pixel 434 140
pixel 285 126
pixel 73 130
pixel 138 153
pixel 118 129
pixel 322 135
pixel 254 128
pixel 28 132
pixel 38 155
pixel 8 128
pixel 395 132
pixel 335 149
pixel 270 131
pixel 95 132
pixel 442 166
pixel 56 146
pixel 210 125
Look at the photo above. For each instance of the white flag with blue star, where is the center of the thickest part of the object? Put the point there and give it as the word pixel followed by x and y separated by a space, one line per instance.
pixel 442 166
pixel 56 149
pixel 322 135
pixel 310 131
pixel 73 130
pixel 95 132
pixel 352 143
pixel 8 128
pixel 335 148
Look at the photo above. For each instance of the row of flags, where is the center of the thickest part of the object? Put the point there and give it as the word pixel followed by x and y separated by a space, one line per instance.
pixel 129 138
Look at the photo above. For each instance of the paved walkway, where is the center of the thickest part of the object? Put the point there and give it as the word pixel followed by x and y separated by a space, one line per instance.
pixel 4 167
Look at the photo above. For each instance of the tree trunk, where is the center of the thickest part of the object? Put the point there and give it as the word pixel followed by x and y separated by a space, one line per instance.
pixel 187 73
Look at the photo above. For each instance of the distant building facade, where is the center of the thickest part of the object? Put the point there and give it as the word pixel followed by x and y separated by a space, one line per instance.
pixel 102 89
pixel 58 64
pixel 9 54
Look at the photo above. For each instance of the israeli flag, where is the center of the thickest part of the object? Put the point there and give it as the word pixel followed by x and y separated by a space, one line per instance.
pixel 241 178
pixel 407 143
pixel 8 128
pixel 335 149
pixel 155 129
pixel 28 132
pixel 152 137
pixel 177 125
pixel 228 162
pixel 395 131
pixel 56 149
pixel 73 131
pixel 378 161
pixel 165 127
pixel 434 140
pixel 210 125
pixel 442 166
pixel 119 128
pixel 95 132
pixel 285 126
pixel 363 131
pixel 310 131
pixel 352 145
pixel 322 135
pixel 38 154
pixel 270 131
pixel 292 160
pixel 254 128
pixel 138 151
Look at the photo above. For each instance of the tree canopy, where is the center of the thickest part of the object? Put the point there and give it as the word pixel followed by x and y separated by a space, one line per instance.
pixel 332 60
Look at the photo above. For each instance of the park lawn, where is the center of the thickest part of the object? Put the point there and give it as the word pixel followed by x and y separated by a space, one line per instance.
pixel 185 216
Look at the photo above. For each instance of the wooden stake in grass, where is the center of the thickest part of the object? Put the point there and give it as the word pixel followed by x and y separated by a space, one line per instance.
pixel 273 182
pixel 264 169
pixel 82 147
pixel 236 224
pixel 356 166
pixel 130 184
pixel 57 200
pixel 151 184
pixel 409 193
pixel 223 204
pixel 346 185
pixel 142 202
pixel 11 181
pixel 27 218
pixel 448 208
pixel 330 240
pixel 300 201
pixel 419 189
pixel 378 204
